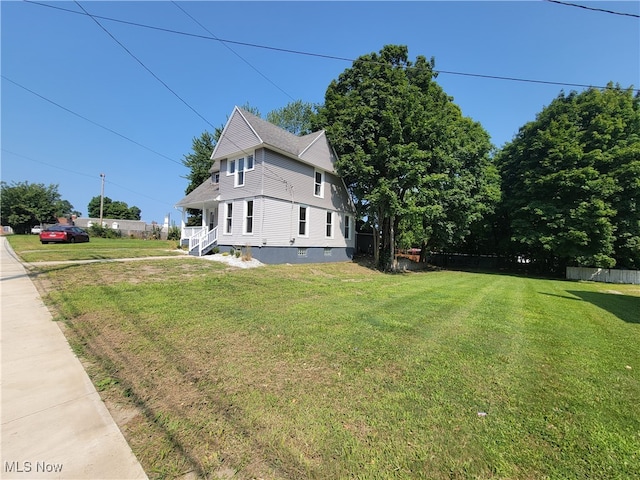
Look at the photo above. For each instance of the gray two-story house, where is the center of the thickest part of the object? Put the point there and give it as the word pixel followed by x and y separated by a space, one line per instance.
pixel 274 192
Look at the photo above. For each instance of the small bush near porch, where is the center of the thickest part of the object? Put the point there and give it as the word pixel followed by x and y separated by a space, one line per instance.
pixel 336 371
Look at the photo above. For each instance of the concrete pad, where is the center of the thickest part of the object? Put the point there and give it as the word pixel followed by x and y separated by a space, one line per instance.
pixel 54 424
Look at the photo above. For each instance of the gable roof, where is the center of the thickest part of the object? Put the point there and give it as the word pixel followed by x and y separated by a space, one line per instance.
pixel 245 131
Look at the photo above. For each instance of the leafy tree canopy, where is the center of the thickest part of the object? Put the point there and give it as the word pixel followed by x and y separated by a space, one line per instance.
pixel 417 168
pixel 571 181
pixel 296 117
pixel 27 204
pixel 113 209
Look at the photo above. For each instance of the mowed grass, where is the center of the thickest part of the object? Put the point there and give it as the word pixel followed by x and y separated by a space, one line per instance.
pixel 29 248
pixel 337 371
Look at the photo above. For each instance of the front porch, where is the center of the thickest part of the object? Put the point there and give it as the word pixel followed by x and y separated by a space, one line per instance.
pixel 203 238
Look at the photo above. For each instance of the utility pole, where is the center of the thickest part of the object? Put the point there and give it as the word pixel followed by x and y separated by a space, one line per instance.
pixel 101 198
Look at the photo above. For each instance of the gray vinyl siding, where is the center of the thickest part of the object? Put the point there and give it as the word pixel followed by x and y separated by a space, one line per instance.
pixel 280 226
pixel 320 153
pixel 275 224
pixel 238 136
pixel 282 173
pixel 252 179
pixel 237 236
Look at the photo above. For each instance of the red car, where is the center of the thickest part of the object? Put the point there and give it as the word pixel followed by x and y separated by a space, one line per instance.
pixel 63 233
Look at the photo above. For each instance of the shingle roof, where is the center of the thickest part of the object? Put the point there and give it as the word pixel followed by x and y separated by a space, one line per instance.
pixel 278 137
pixel 203 193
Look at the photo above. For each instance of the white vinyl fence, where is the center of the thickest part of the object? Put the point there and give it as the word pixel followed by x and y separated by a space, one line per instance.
pixel 606 275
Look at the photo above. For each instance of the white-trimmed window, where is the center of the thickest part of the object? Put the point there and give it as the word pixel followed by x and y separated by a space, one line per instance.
pixel 318 183
pixel 347 227
pixel 228 218
pixel 239 181
pixel 329 225
pixel 248 217
pixel 302 252
pixel 303 221
pixel 238 166
pixel 215 177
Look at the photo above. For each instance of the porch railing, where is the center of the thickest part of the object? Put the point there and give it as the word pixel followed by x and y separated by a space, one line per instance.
pixel 203 240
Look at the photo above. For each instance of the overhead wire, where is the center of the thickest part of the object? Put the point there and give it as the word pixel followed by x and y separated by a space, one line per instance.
pixel 232 50
pixel 89 120
pixel 595 9
pixel 144 66
pixel 326 56
pixel 75 172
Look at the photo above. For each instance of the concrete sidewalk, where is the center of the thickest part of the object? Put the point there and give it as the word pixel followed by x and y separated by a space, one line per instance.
pixel 54 424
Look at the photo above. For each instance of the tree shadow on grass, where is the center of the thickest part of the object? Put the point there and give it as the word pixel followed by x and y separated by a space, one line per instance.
pixel 625 307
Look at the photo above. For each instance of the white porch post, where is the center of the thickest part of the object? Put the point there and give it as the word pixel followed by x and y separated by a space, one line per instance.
pixel 183 222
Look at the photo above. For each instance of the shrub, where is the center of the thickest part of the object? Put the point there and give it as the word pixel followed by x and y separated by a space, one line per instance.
pixel 174 233
pixel 103 232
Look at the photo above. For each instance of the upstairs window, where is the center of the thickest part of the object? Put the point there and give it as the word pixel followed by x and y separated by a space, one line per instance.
pixel 238 166
pixel 318 184
pixel 240 173
pixel 215 177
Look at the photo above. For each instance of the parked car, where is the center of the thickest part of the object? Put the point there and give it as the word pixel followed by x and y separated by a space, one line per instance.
pixel 63 233
pixel 36 230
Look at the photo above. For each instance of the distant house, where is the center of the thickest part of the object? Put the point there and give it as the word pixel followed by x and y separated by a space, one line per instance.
pixel 273 192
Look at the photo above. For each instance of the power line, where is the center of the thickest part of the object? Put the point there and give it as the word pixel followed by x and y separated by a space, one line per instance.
pixel 232 50
pixel 568 4
pixel 325 56
pixel 144 66
pixel 75 172
pixel 89 120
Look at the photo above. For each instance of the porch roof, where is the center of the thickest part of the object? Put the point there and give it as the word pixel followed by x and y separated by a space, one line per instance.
pixel 205 193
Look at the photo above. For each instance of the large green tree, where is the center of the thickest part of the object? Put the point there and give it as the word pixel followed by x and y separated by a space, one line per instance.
pixel 113 209
pixel 296 117
pixel 418 170
pixel 571 182
pixel 25 204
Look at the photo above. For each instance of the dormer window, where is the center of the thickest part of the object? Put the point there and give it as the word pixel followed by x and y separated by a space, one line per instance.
pixel 215 177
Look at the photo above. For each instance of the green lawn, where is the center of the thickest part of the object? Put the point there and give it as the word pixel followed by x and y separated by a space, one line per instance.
pixel 337 371
pixel 29 248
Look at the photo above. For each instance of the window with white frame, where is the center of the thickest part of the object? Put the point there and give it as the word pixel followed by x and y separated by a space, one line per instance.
pixel 215 177
pixel 303 221
pixel 347 227
pixel 238 166
pixel 329 225
pixel 248 217
pixel 228 217
pixel 318 184
pixel 302 252
pixel 239 180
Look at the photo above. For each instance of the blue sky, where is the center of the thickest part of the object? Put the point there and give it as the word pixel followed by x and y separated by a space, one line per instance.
pixel 68 59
